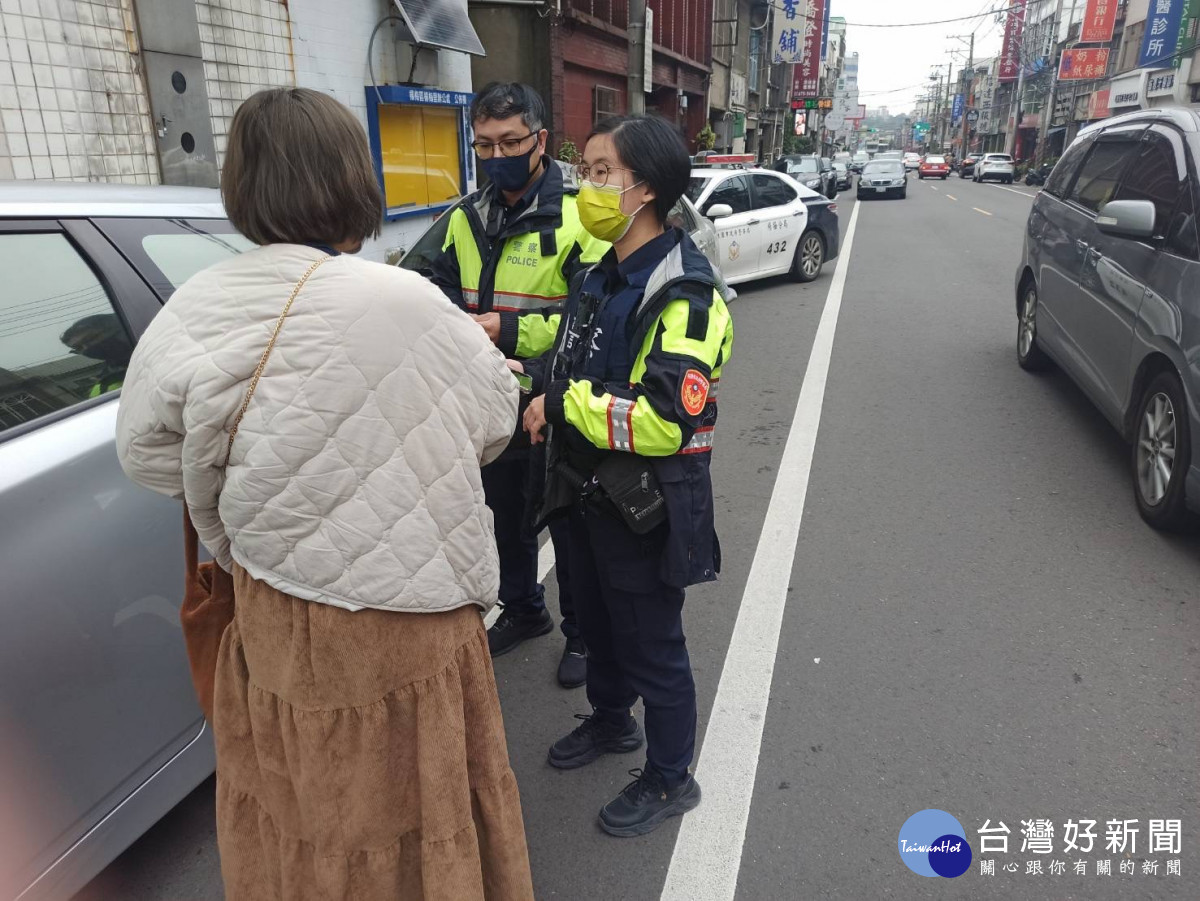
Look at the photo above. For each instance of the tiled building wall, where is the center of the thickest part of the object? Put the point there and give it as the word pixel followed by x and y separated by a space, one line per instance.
pixel 247 46
pixel 72 103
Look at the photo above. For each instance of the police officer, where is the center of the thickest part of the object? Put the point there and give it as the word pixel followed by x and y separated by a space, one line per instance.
pixel 628 404
pixel 511 248
pixel 101 337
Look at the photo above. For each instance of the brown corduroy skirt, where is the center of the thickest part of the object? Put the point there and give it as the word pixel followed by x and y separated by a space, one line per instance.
pixel 362 756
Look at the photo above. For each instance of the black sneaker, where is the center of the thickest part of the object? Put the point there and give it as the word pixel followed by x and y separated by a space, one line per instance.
pixel 597 736
pixel 646 803
pixel 572 669
pixel 510 629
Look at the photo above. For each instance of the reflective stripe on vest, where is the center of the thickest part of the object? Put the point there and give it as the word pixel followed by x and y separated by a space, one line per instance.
pixel 701 441
pixel 620 424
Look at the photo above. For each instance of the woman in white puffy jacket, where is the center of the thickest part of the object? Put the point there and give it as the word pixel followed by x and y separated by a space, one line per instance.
pixel 360 748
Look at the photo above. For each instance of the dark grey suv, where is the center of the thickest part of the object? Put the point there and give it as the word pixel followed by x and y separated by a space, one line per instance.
pixel 1109 289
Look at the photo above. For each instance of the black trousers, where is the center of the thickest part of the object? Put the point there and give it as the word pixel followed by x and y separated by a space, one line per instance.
pixel 632 625
pixel 506 487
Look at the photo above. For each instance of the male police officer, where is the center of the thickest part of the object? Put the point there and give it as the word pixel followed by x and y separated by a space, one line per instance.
pixel 512 247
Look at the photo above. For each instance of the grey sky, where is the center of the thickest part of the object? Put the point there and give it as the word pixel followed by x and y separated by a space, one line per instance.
pixel 895 63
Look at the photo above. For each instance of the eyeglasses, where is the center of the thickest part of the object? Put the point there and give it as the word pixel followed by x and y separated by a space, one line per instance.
pixel 510 147
pixel 597 174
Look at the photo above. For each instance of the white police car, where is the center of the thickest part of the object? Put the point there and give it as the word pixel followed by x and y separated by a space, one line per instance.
pixel 762 222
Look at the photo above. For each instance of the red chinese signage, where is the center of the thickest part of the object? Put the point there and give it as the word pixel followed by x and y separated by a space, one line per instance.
pixel 806 80
pixel 1098 105
pixel 1010 55
pixel 1099 20
pixel 1091 62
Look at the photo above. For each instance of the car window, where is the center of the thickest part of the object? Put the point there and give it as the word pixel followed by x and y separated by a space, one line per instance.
pixel 61 340
pixel 935 160
pixel 420 258
pixel 1060 179
pixel 681 217
pixel 999 157
pixel 1101 172
pixel 808 164
pixel 696 186
pixel 882 168
pixel 771 191
pixel 734 191
pixel 1155 176
pixel 167 252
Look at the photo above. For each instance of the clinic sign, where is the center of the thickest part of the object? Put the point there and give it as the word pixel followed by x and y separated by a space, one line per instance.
pixel 1162 32
pixel 1010 54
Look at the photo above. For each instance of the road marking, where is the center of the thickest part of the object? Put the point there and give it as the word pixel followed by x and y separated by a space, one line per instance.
pixel 708 849
pixel 545 564
pixel 978 210
pixel 952 197
pixel 936 189
pixel 1015 191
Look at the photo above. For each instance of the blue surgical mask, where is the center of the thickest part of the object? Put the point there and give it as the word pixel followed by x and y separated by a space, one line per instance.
pixel 508 173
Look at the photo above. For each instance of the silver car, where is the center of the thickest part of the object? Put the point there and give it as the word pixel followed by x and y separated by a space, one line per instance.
pixel 994 166
pixel 1107 289
pixel 100 733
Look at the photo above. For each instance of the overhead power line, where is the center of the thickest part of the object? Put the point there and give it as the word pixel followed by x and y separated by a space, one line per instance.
pixel 990 12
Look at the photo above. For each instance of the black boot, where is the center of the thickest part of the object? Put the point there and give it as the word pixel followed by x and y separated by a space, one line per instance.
pixel 572 669
pixel 510 629
pixel 598 735
pixel 646 803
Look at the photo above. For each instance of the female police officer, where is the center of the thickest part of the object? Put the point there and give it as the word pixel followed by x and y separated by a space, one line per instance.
pixel 628 394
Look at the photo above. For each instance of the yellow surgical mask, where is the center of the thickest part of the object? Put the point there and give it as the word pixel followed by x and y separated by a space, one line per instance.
pixel 600 211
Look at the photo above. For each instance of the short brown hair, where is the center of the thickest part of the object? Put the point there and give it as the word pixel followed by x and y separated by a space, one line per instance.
pixel 298 171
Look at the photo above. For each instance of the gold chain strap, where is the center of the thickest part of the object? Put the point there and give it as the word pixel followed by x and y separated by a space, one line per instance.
pixel 262 363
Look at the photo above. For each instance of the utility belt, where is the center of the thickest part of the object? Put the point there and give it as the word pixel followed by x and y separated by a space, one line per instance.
pixel 623 485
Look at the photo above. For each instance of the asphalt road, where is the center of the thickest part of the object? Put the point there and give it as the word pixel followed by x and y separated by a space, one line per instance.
pixel 976 619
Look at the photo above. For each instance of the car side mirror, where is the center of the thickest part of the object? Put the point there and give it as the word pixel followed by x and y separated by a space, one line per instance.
pixel 719 211
pixel 1127 219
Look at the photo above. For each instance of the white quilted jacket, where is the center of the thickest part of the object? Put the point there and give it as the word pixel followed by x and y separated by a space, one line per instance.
pixel 354 479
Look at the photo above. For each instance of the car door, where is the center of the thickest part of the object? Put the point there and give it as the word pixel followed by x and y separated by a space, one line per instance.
pixel 783 217
pixel 1160 268
pixel 1096 320
pixel 95 694
pixel 739 236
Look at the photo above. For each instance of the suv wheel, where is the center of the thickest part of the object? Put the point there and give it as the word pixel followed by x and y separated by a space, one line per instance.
pixel 1030 356
pixel 1161 454
pixel 809 258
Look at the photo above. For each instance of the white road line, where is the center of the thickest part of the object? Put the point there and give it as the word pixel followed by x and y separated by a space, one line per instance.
pixel 978 210
pixel 545 564
pixel 708 850
pixel 1015 191
pixel 951 197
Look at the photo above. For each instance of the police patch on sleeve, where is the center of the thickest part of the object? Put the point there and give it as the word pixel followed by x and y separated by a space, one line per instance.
pixel 694 392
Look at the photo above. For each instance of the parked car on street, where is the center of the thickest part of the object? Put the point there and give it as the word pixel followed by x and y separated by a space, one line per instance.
pixel 101 731
pixel 812 171
pixel 1107 289
pixel 883 178
pixel 967 166
pixel 764 224
pixel 912 161
pixel 994 166
pixel 845 179
pixel 934 167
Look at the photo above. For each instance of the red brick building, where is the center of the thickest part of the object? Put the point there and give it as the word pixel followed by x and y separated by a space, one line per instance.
pixel 578 57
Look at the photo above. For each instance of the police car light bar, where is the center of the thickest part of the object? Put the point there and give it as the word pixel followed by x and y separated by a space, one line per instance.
pixel 730 158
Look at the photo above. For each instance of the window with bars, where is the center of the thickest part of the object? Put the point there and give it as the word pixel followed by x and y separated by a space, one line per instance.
pixel 606 102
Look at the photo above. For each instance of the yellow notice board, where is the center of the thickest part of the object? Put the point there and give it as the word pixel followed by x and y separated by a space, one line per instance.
pixel 421 155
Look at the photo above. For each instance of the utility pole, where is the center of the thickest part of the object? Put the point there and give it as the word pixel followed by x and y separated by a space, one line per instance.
pixel 637 57
pixel 1010 140
pixel 966 128
pixel 1044 124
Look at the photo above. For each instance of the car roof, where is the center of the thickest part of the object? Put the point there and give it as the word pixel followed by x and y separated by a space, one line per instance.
pixel 36 199
pixel 1184 118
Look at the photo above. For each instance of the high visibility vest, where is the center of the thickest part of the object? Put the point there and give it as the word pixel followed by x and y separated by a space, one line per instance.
pixel 525 271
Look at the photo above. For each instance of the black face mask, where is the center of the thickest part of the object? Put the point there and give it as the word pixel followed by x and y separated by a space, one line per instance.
pixel 508 173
